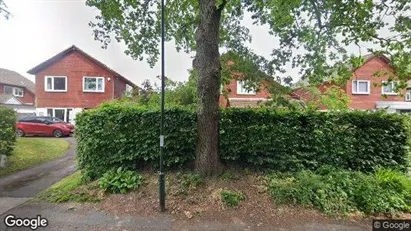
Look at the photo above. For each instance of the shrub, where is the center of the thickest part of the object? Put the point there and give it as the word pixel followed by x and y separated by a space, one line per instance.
pixel 127 135
pixel 230 198
pixel 7 130
pixel 342 191
pixel 190 180
pixel 120 180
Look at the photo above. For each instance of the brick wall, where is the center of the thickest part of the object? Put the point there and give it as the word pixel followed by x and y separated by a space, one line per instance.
pixel 28 97
pixel 231 88
pixel 74 66
pixel 366 72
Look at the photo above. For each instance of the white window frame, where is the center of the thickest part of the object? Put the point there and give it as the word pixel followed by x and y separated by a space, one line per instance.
pixel 392 86
pixel 14 90
pixel 52 83
pixel 408 96
pixel 356 92
pixel 97 78
pixel 53 112
pixel 243 91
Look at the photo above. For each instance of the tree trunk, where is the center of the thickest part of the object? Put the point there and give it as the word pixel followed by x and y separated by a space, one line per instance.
pixel 208 65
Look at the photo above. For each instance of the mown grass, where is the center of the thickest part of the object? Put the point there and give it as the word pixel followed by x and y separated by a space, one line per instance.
pixel 33 151
pixel 71 189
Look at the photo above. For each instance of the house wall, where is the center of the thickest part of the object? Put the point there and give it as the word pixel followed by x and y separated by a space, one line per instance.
pixel 74 66
pixel 235 99
pixel 366 72
pixel 232 92
pixel 28 97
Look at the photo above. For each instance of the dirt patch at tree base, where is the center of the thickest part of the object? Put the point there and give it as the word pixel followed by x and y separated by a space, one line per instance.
pixel 189 206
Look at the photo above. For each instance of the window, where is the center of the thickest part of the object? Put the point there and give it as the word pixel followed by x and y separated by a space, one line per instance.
pixel 64 114
pixel 8 90
pixel 242 90
pixel 408 96
pixel 361 87
pixel 16 91
pixel 93 84
pixel 56 83
pixel 388 88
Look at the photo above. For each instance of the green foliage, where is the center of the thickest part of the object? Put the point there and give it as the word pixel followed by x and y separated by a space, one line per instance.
pixel 69 189
pixel 228 175
pixel 7 130
pixel 176 94
pixel 188 181
pixel 120 180
pixel 117 135
pixel 321 31
pixel 230 198
pixel 335 191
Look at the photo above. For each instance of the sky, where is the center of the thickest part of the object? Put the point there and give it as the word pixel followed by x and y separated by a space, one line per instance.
pixel 39 29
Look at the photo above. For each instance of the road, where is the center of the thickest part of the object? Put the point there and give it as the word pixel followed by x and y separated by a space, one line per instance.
pixel 17 188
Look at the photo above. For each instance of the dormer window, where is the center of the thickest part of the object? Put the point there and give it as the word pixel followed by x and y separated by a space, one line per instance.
pixel 15 91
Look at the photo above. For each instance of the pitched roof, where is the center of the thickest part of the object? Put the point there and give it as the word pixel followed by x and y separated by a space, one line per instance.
pixel 68 51
pixel 5 99
pixel 14 78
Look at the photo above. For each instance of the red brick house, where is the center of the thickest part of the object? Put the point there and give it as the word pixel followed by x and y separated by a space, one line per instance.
pixel 239 96
pixel 17 92
pixel 72 81
pixel 369 92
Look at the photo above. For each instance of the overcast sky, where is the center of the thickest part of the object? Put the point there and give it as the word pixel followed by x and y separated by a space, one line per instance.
pixel 39 29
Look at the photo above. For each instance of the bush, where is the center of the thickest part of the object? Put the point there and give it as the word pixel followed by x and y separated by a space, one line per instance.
pixel 342 191
pixel 126 135
pixel 120 180
pixel 231 199
pixel 7 130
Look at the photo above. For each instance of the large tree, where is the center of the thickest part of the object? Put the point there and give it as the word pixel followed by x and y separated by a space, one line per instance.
pixel 313 36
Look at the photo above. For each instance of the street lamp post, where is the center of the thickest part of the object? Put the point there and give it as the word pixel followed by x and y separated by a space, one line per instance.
pixel 162 186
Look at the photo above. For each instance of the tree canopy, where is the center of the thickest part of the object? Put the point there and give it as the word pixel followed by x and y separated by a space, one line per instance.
pixel 313 35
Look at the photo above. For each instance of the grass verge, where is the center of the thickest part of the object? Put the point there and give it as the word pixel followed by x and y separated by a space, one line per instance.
pixel 71 189
pixel 30 152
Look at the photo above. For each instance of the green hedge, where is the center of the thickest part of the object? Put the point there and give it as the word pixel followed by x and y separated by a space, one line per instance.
pixel 7 130
pixel 124 135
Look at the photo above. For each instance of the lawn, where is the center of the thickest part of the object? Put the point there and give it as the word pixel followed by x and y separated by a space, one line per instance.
pixel 30 152
pixel 71 189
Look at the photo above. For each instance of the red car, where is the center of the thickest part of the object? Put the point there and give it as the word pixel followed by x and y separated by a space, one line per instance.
pixel 43 125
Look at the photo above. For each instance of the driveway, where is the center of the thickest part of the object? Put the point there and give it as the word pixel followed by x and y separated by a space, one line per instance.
pixel 19 187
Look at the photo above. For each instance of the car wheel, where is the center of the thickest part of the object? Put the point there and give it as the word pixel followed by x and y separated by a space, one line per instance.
pixel 19 133
pixel 57 133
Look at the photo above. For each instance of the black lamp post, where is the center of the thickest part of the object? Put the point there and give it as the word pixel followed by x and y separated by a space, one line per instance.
pixel 162 185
